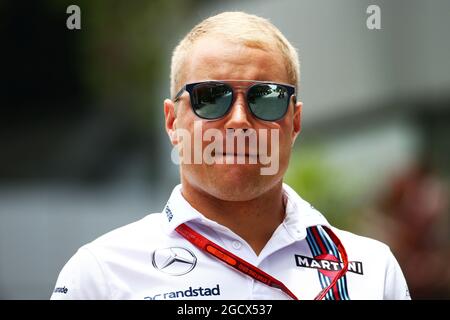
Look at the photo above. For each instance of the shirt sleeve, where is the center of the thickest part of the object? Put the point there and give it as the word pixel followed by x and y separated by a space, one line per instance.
pixel 395 287
pixel 81 278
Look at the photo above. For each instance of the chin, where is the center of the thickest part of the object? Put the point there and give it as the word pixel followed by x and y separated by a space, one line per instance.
pixel 243 187
pixel 233 193
pixel 231 182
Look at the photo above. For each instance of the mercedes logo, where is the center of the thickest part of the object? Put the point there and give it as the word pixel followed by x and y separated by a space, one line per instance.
pixel 175 261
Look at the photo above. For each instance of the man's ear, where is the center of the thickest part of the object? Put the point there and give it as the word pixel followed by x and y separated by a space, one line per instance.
pixel 297 120
pixel 171 119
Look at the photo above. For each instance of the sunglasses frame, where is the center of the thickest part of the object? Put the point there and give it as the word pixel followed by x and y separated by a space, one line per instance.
pixel 189 87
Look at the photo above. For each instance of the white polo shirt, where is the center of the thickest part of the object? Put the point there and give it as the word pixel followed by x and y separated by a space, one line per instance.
pixel 149 260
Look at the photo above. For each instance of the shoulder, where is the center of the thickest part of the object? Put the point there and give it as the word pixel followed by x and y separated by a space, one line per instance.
pixel 378 262
pixel 357 243
pixel 124 242
pixel 87 275
pixel 143 230
pixel 374 255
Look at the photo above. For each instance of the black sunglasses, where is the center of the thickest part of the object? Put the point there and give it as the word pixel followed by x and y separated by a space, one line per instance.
pixel 213 99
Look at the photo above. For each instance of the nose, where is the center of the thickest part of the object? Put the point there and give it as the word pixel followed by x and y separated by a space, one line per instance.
pixel 239 115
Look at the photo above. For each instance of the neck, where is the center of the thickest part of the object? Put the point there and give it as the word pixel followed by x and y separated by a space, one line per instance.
pixel 254 220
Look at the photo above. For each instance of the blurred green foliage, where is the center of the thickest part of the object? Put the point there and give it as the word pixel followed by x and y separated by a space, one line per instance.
pixel 323 187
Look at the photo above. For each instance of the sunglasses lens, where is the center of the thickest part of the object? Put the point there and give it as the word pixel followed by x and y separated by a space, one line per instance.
pixel 211 100
pixel 268 101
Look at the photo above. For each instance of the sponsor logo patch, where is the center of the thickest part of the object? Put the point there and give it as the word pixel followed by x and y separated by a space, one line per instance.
pixel 175 261
pixel 169 213
pixel 61 290
pixel 327 264
pixel 189 292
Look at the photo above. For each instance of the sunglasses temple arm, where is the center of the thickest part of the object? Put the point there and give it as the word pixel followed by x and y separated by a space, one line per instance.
pixel 178 95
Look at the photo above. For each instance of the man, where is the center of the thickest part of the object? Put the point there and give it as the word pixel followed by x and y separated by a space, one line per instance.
pixel 232 229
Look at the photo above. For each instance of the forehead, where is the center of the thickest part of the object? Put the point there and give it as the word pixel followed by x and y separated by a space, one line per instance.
pixel 219 59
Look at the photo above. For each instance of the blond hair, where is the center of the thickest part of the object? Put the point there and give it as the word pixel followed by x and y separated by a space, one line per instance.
pixel 248 29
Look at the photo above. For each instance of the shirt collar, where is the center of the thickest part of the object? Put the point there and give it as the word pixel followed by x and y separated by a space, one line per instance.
pixel 299 213
pixel 179 211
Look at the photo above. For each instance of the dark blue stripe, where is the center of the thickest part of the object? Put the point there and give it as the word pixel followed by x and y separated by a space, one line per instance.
pixel 315 251
pixel 324 281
